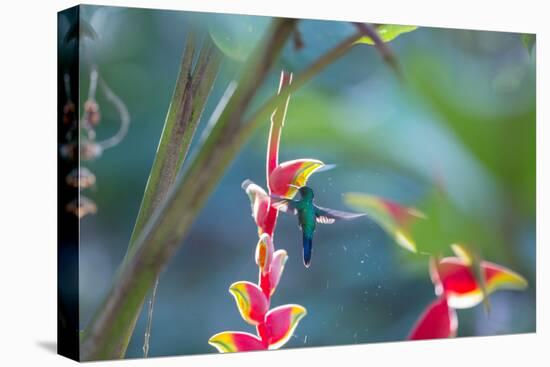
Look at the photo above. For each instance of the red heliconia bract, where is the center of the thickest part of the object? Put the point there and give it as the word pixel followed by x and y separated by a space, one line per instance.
pixel 437 321
pixel 454 279
pixel 456 286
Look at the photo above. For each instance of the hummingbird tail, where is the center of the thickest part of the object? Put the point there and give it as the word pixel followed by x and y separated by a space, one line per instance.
pixel 307 250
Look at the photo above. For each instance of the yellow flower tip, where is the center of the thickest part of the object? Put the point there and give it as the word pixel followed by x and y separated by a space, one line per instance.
pixel 519 281
pixel 237 290
pixel 302 311
pixel 234 286
pixel 221 342
pixel 298 312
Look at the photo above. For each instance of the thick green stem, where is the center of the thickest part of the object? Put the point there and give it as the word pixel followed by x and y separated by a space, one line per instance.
pixel 108 334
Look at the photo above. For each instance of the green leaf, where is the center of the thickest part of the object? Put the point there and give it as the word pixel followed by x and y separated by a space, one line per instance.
pixel 186 107
pixel 528 41
pixel 388 32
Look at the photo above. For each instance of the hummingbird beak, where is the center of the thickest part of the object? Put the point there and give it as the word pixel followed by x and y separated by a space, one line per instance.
pixel 296 187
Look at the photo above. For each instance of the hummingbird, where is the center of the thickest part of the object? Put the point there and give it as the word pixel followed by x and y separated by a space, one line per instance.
pixel 308 215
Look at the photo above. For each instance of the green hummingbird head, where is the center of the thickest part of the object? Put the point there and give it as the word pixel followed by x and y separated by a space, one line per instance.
pixel 306 192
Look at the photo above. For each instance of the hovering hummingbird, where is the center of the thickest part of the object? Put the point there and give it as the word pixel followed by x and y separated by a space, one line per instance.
pixel 308 215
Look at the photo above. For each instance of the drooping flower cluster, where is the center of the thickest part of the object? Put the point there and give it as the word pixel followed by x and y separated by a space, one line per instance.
pixel 460 282
pixel 81 143
pixel 274 326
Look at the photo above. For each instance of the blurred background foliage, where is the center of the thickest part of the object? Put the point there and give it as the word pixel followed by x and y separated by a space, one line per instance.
pixel 456 140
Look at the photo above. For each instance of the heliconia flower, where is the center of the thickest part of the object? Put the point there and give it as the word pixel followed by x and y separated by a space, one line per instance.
pixel 264 253
pixel 251 301
pixel 277 266
pixel 280 323
pixel 235 341
pixel 259 201
pixel 438 321
pixel 287 176
pixel 394 218
pixel 274 327
pixel 453 277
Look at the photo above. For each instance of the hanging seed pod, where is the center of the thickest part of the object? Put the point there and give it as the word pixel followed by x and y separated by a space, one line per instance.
pixel 90 151
pixel 69 113
pixel 81 178
pixel 91 134
pixel 68 151
pixel 92 114
pixel 81 207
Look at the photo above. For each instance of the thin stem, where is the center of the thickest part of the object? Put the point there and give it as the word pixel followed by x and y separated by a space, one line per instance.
pixel 387 54
pixel 150 306
pixel 218 110
pixel 122 112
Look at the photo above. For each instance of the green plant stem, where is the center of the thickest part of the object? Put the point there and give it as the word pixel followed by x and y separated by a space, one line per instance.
pixel 384 50
pixel 108 334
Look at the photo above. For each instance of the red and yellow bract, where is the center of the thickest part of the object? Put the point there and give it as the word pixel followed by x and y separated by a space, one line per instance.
pixel 456 286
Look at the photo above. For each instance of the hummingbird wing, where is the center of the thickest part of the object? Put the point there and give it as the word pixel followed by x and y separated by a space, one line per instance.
pixel 284 205
pixel 329 216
